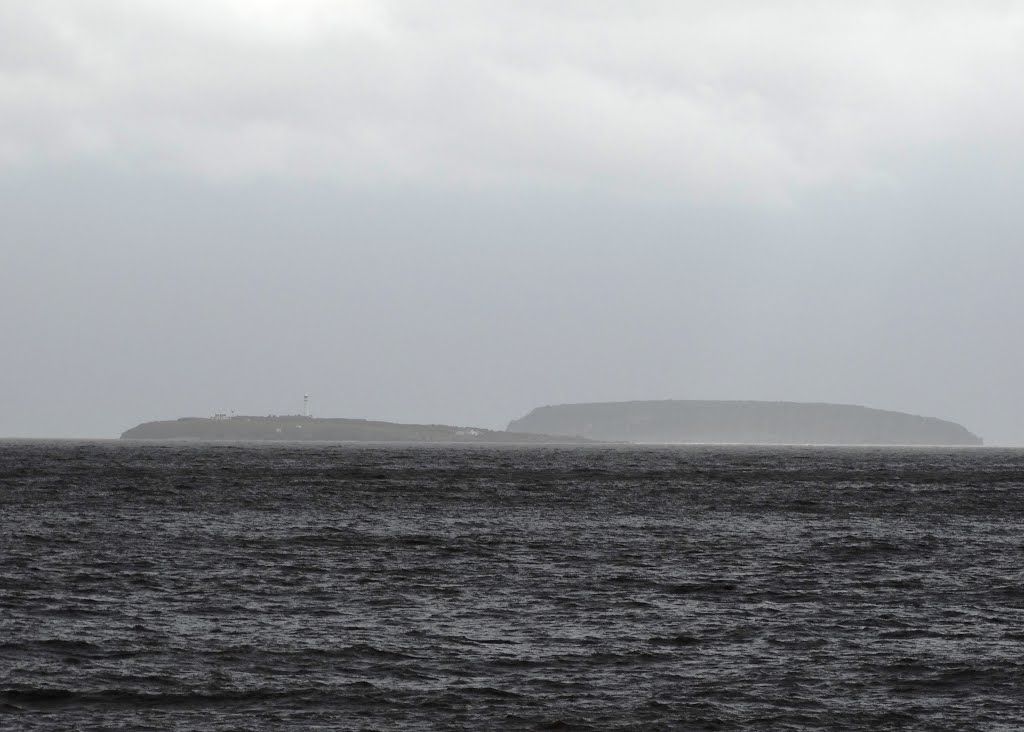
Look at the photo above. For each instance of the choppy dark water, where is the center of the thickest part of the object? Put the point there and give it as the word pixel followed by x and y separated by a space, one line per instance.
pixel 217 587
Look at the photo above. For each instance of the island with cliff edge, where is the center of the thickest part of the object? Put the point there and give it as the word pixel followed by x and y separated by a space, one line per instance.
pixel 297 427
pixel 741 422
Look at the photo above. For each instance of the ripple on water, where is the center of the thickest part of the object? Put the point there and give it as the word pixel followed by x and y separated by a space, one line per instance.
pixel 214 587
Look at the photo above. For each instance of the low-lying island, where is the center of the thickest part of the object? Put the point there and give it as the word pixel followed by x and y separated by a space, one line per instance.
pixel 742 422
pixel 297 427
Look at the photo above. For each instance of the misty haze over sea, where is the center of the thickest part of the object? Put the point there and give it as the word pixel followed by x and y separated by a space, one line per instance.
pixel 457 214
pixel 310 223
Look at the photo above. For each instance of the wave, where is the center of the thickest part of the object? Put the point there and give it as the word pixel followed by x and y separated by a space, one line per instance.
pixel 59 696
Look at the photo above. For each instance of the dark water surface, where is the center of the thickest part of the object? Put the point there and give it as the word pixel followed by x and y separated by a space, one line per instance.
pixel 216 587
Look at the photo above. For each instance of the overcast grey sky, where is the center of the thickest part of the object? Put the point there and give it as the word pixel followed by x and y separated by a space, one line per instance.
pixel 455 212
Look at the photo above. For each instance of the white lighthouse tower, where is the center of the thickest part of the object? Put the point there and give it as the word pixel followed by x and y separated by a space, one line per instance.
pixel 305 405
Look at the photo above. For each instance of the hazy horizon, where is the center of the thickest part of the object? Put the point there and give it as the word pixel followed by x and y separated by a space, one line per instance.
pixel 455 215
pixel 230 414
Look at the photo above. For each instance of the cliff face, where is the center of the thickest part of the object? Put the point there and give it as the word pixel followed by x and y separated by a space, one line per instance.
pixel 329 430
pixel 688 421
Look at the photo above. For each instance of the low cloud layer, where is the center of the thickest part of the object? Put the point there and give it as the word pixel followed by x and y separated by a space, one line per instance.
pixel 740 103
pixel 458 212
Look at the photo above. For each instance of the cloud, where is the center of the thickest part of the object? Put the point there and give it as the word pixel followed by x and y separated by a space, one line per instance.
pixel 740 103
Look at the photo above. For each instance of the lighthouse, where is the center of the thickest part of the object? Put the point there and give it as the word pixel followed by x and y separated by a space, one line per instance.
pixel 305 405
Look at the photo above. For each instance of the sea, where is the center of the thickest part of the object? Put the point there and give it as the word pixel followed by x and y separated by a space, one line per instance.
pixel 285 586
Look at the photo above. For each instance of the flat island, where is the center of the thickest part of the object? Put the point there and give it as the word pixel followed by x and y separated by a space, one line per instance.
pixel 646 422
pixel 297 427
pixel 742 422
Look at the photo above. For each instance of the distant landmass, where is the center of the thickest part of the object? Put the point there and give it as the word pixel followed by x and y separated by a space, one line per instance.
pixel 746 422
pixel 331 430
